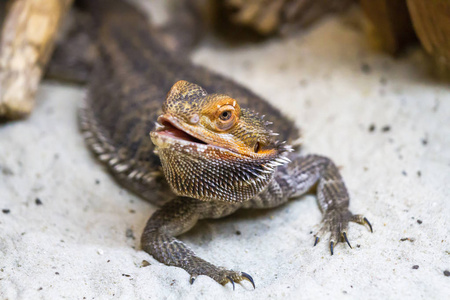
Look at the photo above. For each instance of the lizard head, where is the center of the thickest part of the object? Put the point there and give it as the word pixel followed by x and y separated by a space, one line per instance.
pixel 212 149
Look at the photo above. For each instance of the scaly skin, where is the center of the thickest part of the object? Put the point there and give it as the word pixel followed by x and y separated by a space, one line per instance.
pixel 215 155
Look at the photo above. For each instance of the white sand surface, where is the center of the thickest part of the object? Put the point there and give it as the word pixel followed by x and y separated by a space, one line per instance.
pixel 82 242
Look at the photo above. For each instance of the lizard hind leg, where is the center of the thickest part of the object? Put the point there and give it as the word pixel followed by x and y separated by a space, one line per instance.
pixel 177 217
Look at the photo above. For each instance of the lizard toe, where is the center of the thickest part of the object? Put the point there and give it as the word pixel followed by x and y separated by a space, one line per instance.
pixel 230 276
pixel 232 282
pixel 192 279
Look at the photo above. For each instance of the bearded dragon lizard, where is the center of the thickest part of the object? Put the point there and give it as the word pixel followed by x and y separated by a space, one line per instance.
pixel 194 142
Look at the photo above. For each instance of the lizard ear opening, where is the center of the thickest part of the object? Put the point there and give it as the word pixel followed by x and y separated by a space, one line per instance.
pixel 257 147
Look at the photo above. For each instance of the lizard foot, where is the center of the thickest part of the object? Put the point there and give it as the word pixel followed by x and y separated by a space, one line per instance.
pixel 224 276
pixel 336 221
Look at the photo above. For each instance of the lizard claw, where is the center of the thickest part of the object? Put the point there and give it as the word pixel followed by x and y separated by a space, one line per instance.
pixel 316 241
pixel 346 239
pixel 360 219
pixel 331 247
pixel 223 276
pixel 249 278
pixel 368 223
pixel 231 280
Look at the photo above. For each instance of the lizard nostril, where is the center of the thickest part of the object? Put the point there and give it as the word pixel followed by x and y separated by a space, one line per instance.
pixel 194 119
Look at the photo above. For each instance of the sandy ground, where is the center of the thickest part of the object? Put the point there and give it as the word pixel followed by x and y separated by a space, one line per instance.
pixel 67 230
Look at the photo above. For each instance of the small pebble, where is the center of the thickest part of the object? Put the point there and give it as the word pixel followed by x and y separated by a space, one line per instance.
pixel 129 234
pixel 38 201
pixel 419 221
pixel 365 68
pixel 372 128
pixel 145 263
pixel 407 239
pixel 386 128
pixel 6 211
pixel 447 273
pixel 6 171
pixel 238 232
pixel 415 267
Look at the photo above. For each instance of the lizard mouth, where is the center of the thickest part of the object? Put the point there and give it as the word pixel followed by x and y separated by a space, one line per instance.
pixel 169 127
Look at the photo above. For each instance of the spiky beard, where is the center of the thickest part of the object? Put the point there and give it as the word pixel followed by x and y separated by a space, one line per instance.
pixel 215 174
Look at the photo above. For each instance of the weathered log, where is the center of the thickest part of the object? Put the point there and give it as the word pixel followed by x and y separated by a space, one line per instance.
pixel 282 16
pixel 391 21
pixel 431 19
pixel 27 39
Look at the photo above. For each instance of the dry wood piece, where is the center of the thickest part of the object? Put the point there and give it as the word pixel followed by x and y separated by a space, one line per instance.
pixel 284 16
pixel 391 22
pixel 2 11
pixel 27 39
pixel 431 19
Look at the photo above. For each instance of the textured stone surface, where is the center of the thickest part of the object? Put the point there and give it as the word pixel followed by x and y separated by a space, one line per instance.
pixel 385 121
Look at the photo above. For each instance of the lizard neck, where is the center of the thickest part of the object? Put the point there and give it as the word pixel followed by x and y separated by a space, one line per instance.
pixel 212 175
pixel 279 189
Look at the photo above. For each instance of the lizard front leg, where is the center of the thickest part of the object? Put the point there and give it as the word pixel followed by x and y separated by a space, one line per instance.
pixel 175 218
pixel 332 195
pixel 300 176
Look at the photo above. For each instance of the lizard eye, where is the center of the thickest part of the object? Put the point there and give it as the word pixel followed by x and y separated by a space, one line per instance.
pixel 226 117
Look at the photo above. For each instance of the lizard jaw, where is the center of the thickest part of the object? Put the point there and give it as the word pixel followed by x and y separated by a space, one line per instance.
pixel 169 127
pixel 169 131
